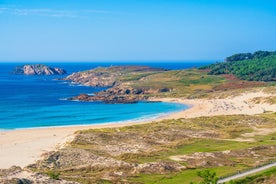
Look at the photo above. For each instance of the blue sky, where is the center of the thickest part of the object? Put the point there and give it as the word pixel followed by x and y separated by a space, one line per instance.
pixel 128 30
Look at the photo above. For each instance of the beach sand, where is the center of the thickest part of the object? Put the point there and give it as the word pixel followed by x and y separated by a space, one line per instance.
pixel 241 104
pixel 24 147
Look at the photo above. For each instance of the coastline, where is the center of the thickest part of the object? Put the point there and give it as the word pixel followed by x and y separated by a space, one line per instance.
pixel 31 143
pixel 22 147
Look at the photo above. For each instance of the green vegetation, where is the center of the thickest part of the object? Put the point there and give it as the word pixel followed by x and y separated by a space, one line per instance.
pixel 260 66
pixel 208 177
pixel 133 83
pixel 184 177
pixel 267 176
pixel 53 174
pixel 181 83
pixel 152 153
pixel 191 83
pixel 245 56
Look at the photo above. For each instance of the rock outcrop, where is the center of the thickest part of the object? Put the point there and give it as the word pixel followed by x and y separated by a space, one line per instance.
pixel 110 99
pixel 119 94
pixel 38 69
pixel 119 79
pixel 111 76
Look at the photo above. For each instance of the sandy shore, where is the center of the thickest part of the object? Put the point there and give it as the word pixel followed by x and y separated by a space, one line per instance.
pixel 241 104
pixel 23 147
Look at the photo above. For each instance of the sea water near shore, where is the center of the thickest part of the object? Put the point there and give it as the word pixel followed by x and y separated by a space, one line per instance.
pixel 38 101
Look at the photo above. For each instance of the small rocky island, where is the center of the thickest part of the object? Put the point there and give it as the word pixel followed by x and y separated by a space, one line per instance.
pixel 121 82
pixel 38 69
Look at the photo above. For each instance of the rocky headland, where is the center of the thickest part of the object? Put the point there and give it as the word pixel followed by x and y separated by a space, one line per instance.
pixel 111 76
pixel 38 69
pixel 131 84
pixel 119 80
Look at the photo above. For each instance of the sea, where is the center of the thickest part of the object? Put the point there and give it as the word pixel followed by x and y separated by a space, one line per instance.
pixel 40 101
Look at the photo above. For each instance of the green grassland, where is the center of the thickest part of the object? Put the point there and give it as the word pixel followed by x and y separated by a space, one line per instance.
pixel 191 83
pixel 180 82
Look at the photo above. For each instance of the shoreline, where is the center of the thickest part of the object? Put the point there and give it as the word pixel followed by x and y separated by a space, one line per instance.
pixel 32 143
pixel 155 117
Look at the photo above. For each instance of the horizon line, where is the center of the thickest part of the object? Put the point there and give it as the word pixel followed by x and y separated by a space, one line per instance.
pixel 117 61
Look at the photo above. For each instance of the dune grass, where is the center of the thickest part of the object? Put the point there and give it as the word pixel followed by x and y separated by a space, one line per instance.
pixel 171 138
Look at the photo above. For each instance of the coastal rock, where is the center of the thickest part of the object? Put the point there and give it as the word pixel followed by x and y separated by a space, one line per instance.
pixel 110 99
pixel 120 79
pixel 119 94
pixel 111 76
pixel 38 69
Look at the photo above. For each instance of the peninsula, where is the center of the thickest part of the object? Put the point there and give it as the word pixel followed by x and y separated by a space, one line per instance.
pixel 119 80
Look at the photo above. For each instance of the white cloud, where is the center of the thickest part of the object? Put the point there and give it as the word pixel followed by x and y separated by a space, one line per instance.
pixel 96 11
pixel 45 12
pixel 51 12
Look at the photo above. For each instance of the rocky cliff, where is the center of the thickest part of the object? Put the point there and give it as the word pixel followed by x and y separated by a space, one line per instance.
pixel 38 69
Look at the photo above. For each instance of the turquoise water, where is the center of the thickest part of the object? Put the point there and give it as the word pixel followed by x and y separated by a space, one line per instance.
pixel 39 101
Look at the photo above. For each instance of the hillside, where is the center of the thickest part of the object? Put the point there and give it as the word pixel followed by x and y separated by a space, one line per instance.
pixel 111 76
pixel 130 84
pixel 259 66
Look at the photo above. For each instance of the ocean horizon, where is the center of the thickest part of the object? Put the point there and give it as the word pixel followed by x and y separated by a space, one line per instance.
pixel 39 101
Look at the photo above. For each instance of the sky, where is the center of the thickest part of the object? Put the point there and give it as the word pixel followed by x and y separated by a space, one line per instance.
pixel 134 30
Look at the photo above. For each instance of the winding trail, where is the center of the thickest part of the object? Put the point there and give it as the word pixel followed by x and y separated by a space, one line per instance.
pixel 247 173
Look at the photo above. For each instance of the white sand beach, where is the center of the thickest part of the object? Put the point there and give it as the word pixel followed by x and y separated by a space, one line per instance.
pixel 24 147
pixel 241 104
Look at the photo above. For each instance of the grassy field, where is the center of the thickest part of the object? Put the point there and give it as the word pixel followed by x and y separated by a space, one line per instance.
pixel 192 83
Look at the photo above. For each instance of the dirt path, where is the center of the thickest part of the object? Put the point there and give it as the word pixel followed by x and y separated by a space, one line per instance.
pixel 253 171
